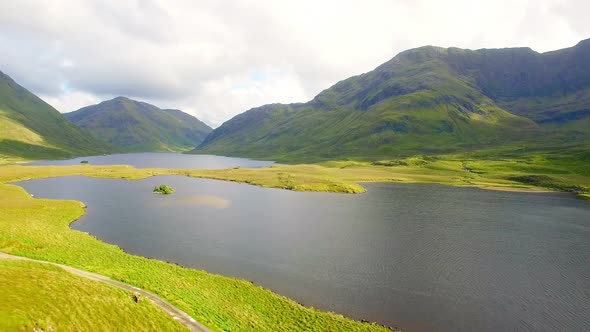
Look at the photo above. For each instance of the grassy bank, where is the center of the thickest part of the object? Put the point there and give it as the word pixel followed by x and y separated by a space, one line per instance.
pixel 524 174
pixel 40 297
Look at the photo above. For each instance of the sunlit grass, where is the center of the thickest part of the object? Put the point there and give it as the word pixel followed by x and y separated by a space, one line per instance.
pixel 41 297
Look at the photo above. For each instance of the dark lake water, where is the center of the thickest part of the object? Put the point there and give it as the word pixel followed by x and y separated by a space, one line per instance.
pixel 419 257
pixel 161 159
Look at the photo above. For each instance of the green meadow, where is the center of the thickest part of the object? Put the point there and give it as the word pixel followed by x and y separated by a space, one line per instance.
pixel 41 297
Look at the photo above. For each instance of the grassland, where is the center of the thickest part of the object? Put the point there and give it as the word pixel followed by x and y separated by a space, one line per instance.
pixel 51 299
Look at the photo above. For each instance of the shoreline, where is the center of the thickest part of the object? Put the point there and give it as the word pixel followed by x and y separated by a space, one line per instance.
pixel 391 328
pixel 85 206
pixel 245 284
pixel 532 190
pixel 518 189
pixel 248 176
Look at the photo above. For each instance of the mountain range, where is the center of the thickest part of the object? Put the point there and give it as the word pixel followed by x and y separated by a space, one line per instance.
pixel 32 129
pixel 425 100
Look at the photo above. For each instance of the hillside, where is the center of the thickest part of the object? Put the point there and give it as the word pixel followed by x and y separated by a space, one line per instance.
pixel 32 129
pixel 425 100
pixel 133 126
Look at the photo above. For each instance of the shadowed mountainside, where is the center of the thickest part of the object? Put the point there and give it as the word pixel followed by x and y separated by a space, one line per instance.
pixel 31 128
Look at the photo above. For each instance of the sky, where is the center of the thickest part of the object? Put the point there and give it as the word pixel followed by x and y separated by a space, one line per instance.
pixel 217 58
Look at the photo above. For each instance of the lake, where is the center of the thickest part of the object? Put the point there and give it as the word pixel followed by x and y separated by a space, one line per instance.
pixel 160 159
pixel 417 256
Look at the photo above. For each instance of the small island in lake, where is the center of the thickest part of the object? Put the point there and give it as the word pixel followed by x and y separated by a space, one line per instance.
pixel 163 189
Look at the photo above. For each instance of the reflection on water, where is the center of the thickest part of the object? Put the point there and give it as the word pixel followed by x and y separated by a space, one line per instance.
pixel 420 257
pixel 195 200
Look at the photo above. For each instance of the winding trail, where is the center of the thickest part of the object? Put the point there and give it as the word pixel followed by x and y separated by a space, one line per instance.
pixel 179 315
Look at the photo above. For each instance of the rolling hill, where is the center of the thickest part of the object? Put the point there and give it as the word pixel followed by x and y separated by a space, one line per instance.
pixel 32 129
pixel 423 101
pixel 134 126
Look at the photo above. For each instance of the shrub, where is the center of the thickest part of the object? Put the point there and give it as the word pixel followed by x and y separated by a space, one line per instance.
pixel 163 189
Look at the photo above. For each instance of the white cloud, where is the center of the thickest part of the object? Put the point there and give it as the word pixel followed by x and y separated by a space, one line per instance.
pixel 71 101
pixel 217 58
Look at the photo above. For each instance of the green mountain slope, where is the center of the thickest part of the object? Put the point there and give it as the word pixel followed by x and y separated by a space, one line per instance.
pixel 424 100
pixel 133 126
pixel 32 129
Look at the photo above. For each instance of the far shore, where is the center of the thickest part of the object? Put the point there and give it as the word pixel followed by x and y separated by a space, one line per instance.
pixel 303 177
pixel 537 190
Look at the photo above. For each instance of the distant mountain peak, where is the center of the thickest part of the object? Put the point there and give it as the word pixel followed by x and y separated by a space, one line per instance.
pixel 425 51
pixel 134 126
pixel 120 98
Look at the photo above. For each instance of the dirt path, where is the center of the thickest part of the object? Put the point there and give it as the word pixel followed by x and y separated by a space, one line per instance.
pixel 179 315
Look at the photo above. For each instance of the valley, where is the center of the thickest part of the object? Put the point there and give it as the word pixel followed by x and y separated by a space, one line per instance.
pixel 480 154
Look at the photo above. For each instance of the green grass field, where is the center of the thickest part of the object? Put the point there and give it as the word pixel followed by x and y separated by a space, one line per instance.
pixel 41 297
